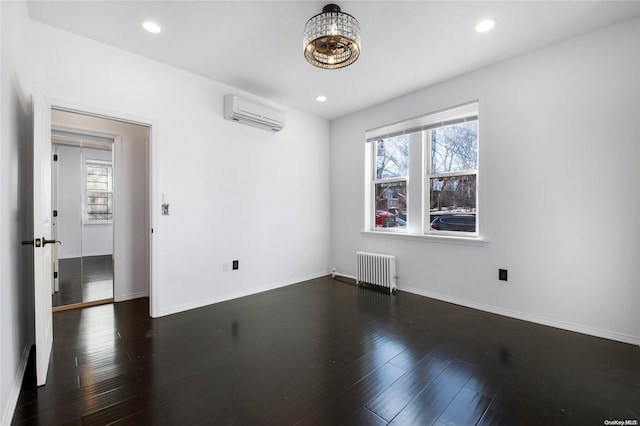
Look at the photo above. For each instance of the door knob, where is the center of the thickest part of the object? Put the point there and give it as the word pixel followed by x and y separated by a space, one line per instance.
pixel 35 242
pixel 45 241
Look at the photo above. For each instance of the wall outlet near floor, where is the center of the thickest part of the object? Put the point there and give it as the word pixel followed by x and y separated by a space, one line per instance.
pixel 226 266
pixel 502 274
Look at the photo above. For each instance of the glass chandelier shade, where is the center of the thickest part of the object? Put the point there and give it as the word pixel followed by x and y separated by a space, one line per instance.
pixel 332 39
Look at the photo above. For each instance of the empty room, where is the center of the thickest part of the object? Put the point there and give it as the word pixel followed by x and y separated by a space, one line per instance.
pixel 299 212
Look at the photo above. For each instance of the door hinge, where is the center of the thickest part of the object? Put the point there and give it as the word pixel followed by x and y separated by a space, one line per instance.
pixel 55 157
pixel 55 213
pixel 55 274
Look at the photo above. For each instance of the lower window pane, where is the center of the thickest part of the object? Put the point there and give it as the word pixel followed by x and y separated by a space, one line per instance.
pixel 391 205
pixel 453 203
pixel 99 206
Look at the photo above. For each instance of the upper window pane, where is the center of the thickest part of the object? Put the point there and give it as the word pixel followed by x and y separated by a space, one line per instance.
pixel 454 148
pixel 392 157
pixel 99 177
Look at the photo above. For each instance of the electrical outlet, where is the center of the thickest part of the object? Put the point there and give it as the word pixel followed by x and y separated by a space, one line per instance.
pixel 226 266
pixel 236 265
pixel 502 274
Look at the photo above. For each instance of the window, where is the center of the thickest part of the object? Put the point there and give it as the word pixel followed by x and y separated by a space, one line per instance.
pixel 99 191
pixel 424 174
pixel 390 183
pixel 451 177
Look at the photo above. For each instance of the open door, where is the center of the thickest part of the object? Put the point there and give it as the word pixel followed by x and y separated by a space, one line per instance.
pixel 42 245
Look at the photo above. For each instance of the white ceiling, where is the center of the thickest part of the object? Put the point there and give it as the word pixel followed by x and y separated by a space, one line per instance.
pixel 256 46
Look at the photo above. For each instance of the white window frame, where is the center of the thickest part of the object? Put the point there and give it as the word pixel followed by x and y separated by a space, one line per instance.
pixel 85 195
pixel 418 181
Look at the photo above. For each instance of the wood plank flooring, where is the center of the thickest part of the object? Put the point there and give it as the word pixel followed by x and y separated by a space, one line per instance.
pixel 325 352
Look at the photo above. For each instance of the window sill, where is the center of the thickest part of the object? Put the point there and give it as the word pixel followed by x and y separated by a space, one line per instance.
pixel 441 239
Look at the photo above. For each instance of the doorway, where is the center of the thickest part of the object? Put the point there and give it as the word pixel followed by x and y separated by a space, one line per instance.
pixel 100 179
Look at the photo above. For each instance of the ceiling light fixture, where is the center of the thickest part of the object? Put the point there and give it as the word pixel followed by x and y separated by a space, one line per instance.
pixel 321 98
pixel 485 25
pixel 152 27
pixel 332 39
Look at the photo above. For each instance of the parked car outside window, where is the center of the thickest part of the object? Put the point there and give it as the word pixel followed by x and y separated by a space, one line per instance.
pixel 454 222
pixel 385 219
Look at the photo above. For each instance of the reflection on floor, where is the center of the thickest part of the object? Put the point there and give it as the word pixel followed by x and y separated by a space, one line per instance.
pixel 84 279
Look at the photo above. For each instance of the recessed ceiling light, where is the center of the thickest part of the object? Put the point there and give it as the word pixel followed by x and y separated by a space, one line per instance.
pixel 485 25
pixel 321 98
pixel 152 27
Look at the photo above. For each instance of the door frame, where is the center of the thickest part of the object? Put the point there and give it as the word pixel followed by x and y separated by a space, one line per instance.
pixel 55 180
pixel 70 106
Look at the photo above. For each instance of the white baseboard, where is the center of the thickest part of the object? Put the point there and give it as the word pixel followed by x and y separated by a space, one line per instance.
pixel 132 296
pixel 14 394
pixel 591 331
pixel 235 295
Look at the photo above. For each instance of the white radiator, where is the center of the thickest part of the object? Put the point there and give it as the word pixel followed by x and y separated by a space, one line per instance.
pixel 376 269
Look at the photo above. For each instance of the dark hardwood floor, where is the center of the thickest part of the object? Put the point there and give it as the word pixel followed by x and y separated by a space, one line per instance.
pixel 326 353
pixel 84 279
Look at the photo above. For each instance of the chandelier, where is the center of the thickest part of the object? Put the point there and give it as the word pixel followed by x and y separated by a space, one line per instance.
pixel 332 39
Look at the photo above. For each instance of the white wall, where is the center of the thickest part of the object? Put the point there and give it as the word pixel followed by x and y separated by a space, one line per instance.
pixel 560 149
pixel 16 296
pixel 131 206
pixel 236 192
pixel 78 239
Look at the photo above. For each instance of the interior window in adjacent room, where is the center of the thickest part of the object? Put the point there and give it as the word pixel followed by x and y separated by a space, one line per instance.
pixel 98 191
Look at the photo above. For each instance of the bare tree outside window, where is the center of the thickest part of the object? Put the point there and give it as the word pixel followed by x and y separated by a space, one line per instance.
pixel 424 174
pixel 392 169
pixel 454 148
pixel 452 184
pixel 392 157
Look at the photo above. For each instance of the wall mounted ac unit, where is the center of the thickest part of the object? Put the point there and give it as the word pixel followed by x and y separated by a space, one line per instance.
pixel 253 114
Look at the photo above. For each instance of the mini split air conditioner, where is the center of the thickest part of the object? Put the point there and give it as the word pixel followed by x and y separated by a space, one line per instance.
pixel 253 114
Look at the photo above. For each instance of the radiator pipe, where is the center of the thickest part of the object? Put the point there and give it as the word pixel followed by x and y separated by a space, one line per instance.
pixel 334 274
